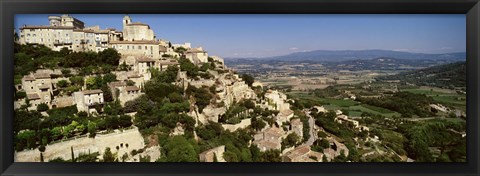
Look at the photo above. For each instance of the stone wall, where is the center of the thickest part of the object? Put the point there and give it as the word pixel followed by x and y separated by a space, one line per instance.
pixel 132 137
pixel 243 124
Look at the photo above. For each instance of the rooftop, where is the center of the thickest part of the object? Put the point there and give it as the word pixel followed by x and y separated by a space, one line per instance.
pixel 41 75
pixel 117 84
pixel 46 27
pixel 33 96
pixel 153 42
pixel 144 59
pixel 132 88
pixel 88 92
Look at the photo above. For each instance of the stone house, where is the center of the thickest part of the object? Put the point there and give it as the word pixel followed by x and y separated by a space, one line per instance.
pixel 269 139
pixel 284 116
pixel 211 154
pixel 197 55
pixel 39 88
pixel 296 125
pixel 85 100
pixel 344 119
pixel 68 32
pixel 302 153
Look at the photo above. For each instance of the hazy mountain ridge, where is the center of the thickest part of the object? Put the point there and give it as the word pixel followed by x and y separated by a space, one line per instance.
pixel 344 55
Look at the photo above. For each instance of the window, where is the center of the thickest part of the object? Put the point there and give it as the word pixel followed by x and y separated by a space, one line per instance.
pixel 89 101
pixel 139 47
pixel 31 88
pixel 145 47
pixel 99 99
pixel 128 47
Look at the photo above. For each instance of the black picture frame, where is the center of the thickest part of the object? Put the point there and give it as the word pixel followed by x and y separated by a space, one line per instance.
pixel 8 8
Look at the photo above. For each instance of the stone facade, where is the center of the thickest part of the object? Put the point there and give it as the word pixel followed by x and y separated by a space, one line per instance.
pixel 39 89
pixel 211 154
pixel 134 31
pixel 85 100
pixel 197 55
pixel 297 127
pixel 302 154
pixel 68 32
pixel 269 139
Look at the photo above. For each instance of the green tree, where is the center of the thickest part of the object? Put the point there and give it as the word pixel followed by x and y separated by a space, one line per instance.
pixel 291 140
pixel 62 83
pixel 42 107
pixel 178 149
pixel 248 79
pixel 108 156
pixel 92 129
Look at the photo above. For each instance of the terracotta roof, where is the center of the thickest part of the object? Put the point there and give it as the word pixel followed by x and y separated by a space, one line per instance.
pixel 145 59
pixel 286 112
pixel 167 62
pixel 296 122
pixel 88 92
pixel 195 50
pixel 134 76
pixel 137 24
pixel 132 88
pixel 274 131
pixel 47 27
pixel 41 75
pixel 267 144
pixel 153 42
pixel 117 84
pixel 299 151
pixel 44 86
pixel 28 78
pixel 101 32
pixel 33 96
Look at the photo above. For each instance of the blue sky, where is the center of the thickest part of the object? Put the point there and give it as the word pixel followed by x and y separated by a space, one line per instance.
pixel 272 35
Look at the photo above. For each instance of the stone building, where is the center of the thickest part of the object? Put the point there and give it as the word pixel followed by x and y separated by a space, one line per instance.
pixel 297 127
pixel 86 100
pixel 68 32
pixel 277 100
pixel 213 154
pixel 39 89
pixel 128 93
pixel 197 55
pixel 269 139
pixel 149 48
pixel 302 153
pixel 135 31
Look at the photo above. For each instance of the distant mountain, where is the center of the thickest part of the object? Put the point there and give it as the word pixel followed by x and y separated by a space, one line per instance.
pixel 344 55
pixel 385 63
pixel 446 76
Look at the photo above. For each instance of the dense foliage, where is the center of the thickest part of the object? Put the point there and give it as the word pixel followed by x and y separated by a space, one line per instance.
pixel 406 103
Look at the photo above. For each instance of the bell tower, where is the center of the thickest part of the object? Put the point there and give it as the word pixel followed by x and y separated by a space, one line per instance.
pixel 126 20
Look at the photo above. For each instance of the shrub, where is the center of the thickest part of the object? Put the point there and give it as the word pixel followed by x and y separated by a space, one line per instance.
pixel 42 107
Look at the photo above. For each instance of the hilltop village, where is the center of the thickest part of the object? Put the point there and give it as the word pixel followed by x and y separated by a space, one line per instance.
pixel 85 94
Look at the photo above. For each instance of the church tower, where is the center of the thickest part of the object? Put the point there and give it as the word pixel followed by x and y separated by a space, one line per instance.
pixel 126 20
